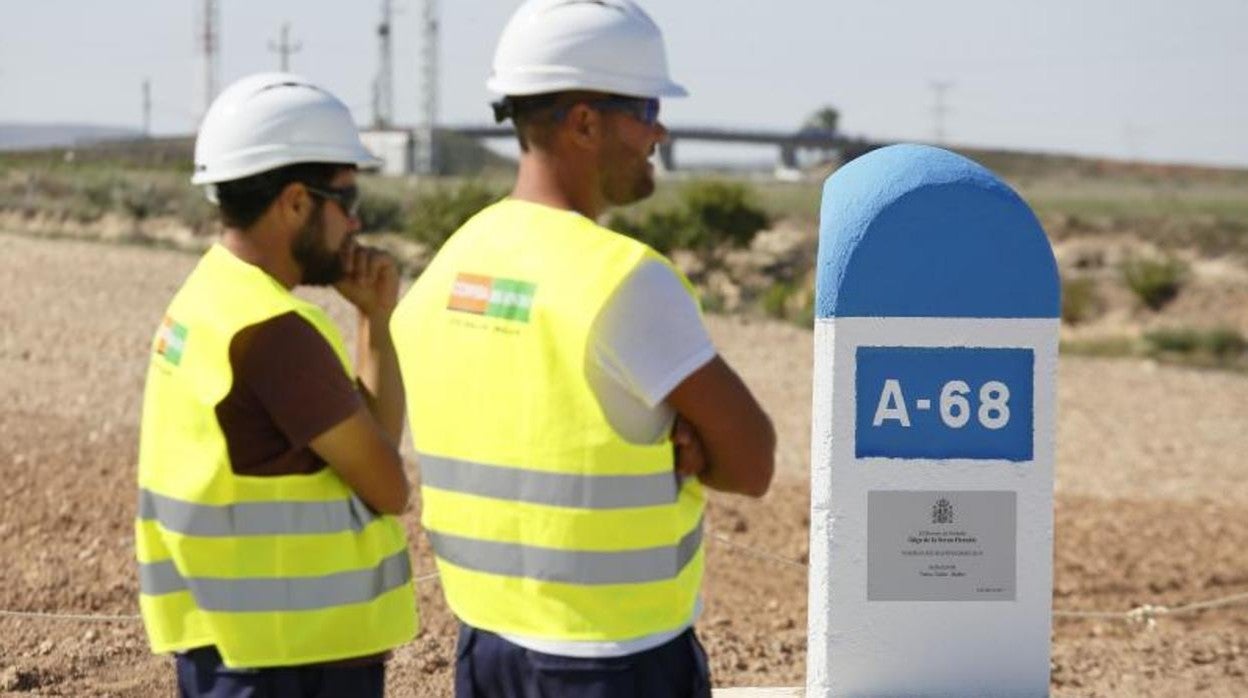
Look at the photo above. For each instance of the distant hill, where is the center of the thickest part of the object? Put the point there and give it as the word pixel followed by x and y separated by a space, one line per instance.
pixel 1027 165
pixel 31 136
pixel 1031 164
pixel 461 156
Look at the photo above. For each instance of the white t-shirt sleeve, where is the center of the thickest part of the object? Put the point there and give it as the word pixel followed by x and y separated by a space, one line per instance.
pixel 649 336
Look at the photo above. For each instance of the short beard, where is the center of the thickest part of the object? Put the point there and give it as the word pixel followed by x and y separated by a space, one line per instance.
pixel 320 265
pixel 623 185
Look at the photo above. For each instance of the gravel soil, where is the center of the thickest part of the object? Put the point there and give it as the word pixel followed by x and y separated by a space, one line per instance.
pixel 1152 503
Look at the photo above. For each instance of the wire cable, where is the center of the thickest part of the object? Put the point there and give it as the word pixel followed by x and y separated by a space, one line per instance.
pixel 106 618
pixel 1146 614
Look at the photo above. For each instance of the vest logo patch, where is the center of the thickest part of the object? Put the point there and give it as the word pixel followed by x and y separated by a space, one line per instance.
pixel 490 296
pixel 170 340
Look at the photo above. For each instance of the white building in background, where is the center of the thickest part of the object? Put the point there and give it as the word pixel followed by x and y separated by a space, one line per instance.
pixel 396 148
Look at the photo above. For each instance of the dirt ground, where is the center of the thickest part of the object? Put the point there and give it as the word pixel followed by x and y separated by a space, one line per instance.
pixel 1152 503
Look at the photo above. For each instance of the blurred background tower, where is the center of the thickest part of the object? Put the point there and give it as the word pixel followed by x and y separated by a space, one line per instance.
pixel 383 84
pixel 147 108
pixel 427 119
pixel 940 110
pixel 208 39
pixel 284 48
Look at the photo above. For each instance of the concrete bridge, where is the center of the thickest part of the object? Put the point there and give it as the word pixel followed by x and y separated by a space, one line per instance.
pixel 788 142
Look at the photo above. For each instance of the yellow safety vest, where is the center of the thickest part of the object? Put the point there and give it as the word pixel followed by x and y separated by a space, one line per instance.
pixel 274 571
pixel 545 522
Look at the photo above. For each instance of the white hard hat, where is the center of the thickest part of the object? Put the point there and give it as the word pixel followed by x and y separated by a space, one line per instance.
pixel 269 120
pixel 600 45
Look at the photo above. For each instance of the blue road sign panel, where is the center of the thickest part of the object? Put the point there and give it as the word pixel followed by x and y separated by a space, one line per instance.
pixel 944 403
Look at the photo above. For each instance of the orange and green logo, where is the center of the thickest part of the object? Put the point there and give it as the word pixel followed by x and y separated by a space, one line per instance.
pixel 171 340
pixel 492 297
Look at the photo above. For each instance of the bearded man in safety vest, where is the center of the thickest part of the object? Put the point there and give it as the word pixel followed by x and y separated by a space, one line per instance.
pixel 570 404
pixel 270 558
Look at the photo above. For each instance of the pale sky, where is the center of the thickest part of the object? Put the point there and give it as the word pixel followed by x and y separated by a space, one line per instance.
pixel 1140 79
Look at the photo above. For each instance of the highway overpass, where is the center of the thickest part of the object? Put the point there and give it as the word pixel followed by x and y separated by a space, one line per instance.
pixel 787 143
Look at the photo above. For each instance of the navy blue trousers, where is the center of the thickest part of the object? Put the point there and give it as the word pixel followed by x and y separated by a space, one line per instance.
pixel 202 674
pixel 487 666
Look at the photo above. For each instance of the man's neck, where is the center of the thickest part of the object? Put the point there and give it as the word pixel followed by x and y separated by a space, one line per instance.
pixel 558 183
pixel 248 248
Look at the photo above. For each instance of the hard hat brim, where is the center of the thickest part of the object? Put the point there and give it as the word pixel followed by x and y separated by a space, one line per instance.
pixel 533 82
pixel 247 165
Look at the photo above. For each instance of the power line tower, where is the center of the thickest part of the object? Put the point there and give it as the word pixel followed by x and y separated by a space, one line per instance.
pixel 939 109
pixel 426 143
pixel 383 85
pixel 284 48
pixel 208 38
pixel 147 108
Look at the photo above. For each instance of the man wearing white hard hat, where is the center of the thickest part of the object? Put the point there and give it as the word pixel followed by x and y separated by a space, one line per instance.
pixel 270 559
pixel 566 402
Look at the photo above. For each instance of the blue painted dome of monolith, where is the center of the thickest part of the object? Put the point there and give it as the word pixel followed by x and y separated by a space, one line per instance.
pixel 917 231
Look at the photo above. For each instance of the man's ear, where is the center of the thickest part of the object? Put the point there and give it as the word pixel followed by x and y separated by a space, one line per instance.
pixel 584 126
pixel 293 205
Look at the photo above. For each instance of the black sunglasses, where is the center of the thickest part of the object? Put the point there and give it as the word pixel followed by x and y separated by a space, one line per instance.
pixel 347 198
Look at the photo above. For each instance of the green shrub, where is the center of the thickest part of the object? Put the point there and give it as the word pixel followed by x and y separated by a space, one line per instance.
pixel 99 191
pixel 775 300
pixel 87 193
pixel 436 213
pixel 1100 347
pixel 663 229
pixel 712 303
pixel 94 193
pixel 1175 340
pixel 194 209
pixel 805 317
pixel 789 301
pixel 1155 282
pixel 707 214
pixel 141 200
pixel 381 212
pixel 1224 343
pixel 1221 346
pixel 1080 301
pixel 94 196
pixel 722 212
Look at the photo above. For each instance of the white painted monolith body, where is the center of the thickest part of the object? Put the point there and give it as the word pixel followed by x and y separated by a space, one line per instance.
pixel 932 434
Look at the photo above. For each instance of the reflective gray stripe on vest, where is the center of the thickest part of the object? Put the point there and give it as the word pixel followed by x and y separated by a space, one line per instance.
pixel 557 489
pixel 570 566
pixel 157 578
pixel 254 518
pixel 279 593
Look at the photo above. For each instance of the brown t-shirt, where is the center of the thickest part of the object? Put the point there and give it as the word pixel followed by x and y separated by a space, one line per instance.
pixel 289 387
